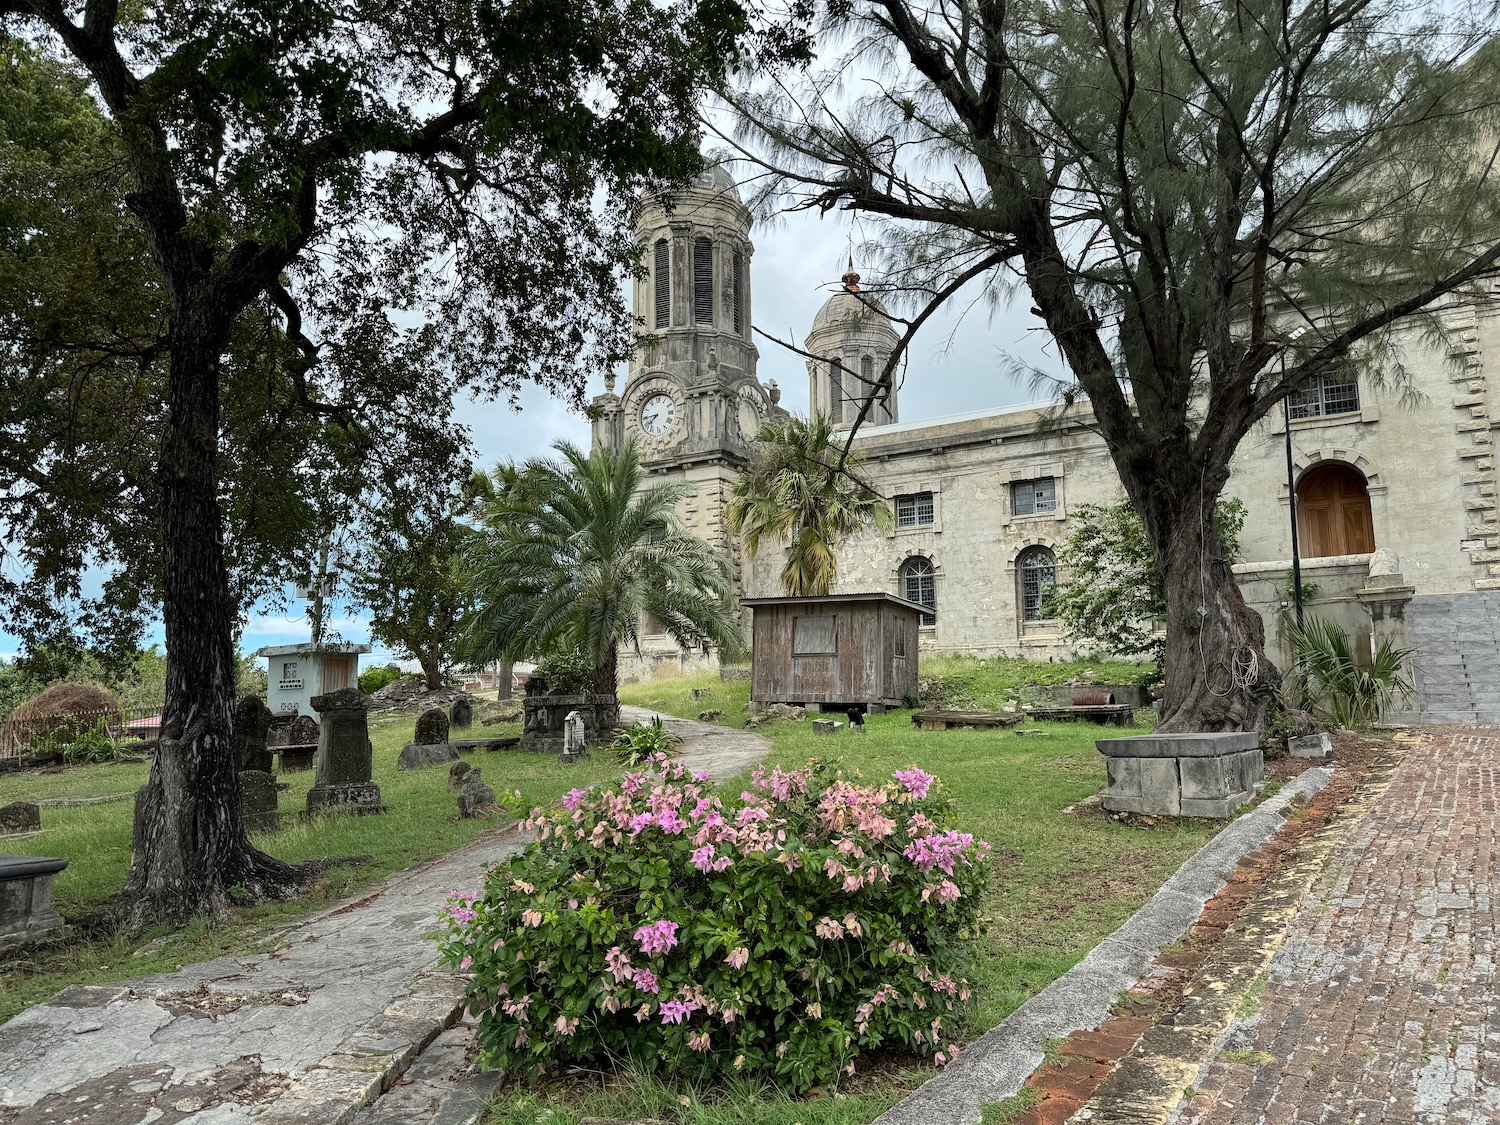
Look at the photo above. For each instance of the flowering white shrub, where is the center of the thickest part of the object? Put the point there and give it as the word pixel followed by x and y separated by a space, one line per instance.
pixel 780 933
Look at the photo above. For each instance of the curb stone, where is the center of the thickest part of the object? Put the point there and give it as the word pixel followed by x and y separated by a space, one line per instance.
pixel 997 1064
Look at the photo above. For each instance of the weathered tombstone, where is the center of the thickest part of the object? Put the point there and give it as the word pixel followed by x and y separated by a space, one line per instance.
pixel 432 727
pixel 258 793
pixel 826 726
pixel 419 755
pixel 343 782
pixel 21 816
pixel 302 738
pixel 461 713
pixel 26 912
pixel 575 737
pixel 474 796
pixel 456 774
pixel 1302 746
pixel 252 723
pixel 1182 774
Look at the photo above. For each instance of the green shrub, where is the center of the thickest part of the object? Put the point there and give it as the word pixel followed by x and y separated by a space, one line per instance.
pixel 1326 679
pixel 776 935
pixel 567 673
pixel 639 742
pixel 376 678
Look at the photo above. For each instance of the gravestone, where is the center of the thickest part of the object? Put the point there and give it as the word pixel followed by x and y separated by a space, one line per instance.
pixel 432 727
pixel 21 816
pixel 344 761
pixel 461 713
pixel 302 738
pixel 1207 775
pixel 474 796
pixel 826 726
pixel 26 912
pixel 252 724
pixel 575 737
pixel 419 756
pixel 1306 746
pixel 456 774
pixel 258 793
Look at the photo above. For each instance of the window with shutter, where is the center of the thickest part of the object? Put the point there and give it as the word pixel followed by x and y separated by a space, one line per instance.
pixel 703 281
pixel 835 391
pixel 663 269
pixel 739 304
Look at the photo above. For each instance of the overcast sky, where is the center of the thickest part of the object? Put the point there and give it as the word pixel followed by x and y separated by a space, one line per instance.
pixel 957 365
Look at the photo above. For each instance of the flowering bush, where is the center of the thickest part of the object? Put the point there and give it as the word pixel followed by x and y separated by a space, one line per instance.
pixel 779 934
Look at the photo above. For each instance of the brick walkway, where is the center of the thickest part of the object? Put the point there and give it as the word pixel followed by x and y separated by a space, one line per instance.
pixel 1380 1006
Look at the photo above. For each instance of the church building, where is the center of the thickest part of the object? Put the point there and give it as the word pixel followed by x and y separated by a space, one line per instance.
pixel 1395 488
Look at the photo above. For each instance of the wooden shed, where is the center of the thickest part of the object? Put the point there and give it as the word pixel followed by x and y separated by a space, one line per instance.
pixel 842 650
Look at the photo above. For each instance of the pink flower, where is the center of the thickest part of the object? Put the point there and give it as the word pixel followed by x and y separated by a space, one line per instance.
pixel 737 958
pixel 532 918
pixel 566 1026
pixel 828 929
pixel 948 892
pixel 617 962
pixel 645 980
pixel 698 1041
pixel 465 963
pixel 658 937
pixel 703 858
pixel 573 798
pixel 917 781
pixel 675 1011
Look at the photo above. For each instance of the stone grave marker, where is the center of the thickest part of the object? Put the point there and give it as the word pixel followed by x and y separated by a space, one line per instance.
pixel 20 816
pixel 1304 746
pixel 429 746
pixel 474 796
pixel 432 727
pixel 252 725
pixel 303 735
pixel 258 792
pixel 456 774
pixel 575 737
pixel 461 713
pixel 26 913
pixel 344 761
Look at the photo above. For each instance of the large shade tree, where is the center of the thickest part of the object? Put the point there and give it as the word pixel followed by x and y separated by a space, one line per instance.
pixel 1208 204
pixel 575 553
pixel 468 167
pixel 802 491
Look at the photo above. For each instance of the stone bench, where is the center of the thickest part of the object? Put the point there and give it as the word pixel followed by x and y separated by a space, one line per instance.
pixel 26 912
pixel 1207 775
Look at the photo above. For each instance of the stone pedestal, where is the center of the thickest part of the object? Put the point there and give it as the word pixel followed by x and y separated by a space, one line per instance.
pixel 1207 775
pixel 26 912
pixel 258 791
pixel 345 757
pixel 252 725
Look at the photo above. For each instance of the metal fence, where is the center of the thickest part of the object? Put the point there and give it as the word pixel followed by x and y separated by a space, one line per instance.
pixel 53 732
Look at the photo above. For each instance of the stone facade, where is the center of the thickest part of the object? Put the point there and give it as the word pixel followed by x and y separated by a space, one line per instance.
pixel 982 500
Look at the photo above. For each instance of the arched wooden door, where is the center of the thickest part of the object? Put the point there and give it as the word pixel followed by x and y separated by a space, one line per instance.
pixel 1333 512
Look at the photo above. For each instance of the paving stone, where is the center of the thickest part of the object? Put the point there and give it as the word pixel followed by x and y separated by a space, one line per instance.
pixel 1379 1007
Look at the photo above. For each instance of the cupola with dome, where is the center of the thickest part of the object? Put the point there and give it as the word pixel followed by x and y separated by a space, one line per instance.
pixel 852 339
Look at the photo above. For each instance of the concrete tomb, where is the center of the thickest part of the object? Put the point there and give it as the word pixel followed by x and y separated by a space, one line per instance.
pixel 1207 775
pixel 1310 745
pixel 252 725
pixel 344 760
pixel 461 713
pixel 474 796
pixel 545 713
pixel 258 794
pixel 20 816
pixel 26 912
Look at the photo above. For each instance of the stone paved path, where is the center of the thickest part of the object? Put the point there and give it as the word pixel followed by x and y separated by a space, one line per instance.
pixel 303 1035
pixel 1380 1007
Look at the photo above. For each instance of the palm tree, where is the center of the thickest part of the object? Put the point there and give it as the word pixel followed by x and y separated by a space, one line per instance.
pixel 574 552
pixel 795 491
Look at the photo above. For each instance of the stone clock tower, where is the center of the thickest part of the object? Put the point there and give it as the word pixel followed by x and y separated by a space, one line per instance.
pixel 691 401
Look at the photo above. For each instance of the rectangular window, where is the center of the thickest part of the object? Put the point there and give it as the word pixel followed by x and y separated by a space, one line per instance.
pixel 663 269
pixel 739 268
pixel 914 510
pixel 835 391
pixel 289 670
pixel 1033 497
pixel 814 636
pixel 703 281
pixel 1324 396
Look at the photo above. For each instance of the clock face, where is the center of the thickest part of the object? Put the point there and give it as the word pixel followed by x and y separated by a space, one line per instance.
pixel 749 420
pixel 658 415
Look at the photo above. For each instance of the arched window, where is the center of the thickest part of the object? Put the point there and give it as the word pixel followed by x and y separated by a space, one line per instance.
pixel 918 584
pixel 703 281
pixel 663 269
pixel 1037 570
pixel 1333 512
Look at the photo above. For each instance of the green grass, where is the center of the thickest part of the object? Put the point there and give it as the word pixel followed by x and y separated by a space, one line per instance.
pixel 421 821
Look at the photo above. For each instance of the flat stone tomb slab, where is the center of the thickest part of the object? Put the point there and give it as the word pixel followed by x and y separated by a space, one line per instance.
pixel 1207 775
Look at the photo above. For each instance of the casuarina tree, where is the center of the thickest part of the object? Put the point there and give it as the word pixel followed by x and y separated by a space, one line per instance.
pixel 1207 205
pixel 575 553
pixel 405 188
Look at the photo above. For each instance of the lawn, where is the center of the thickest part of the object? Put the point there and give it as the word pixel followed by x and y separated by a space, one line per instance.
pixel 421 821
pixel 1062 880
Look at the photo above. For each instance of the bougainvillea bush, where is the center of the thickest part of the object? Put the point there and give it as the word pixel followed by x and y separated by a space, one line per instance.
pixel 778 934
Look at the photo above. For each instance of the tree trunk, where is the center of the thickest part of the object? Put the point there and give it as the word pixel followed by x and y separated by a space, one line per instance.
pixel 191 853
pixel 432 670
pixel 607 675
pixel 506 687
pixel 1217 674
